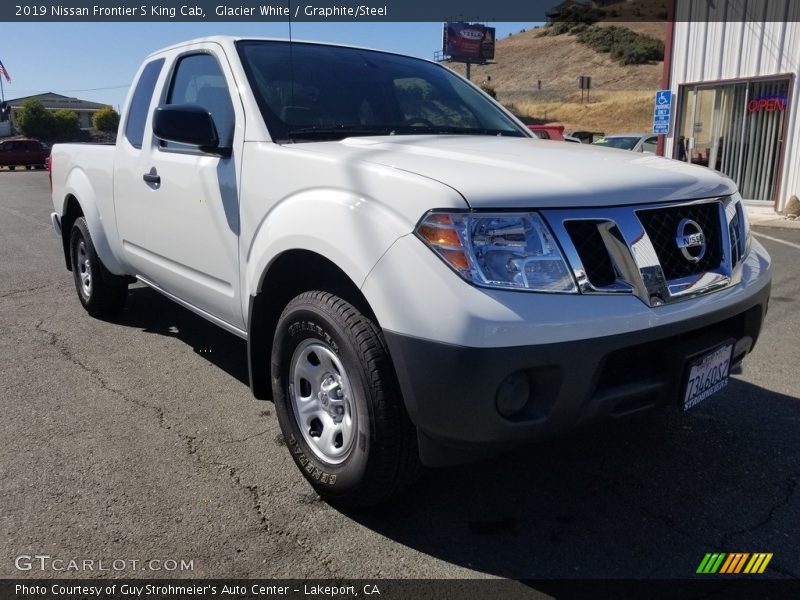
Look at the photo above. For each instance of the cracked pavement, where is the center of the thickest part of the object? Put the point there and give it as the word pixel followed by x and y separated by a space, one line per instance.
pixel 139 439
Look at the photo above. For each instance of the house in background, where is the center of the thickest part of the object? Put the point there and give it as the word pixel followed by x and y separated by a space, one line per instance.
pixel 52 101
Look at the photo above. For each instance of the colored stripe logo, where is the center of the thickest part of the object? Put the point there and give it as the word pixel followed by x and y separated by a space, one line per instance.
pixel 734 563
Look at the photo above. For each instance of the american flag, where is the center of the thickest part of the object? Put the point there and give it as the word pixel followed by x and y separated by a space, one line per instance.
pixel 4 73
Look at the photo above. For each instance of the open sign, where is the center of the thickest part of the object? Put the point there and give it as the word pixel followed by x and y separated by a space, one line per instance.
pixel 767 103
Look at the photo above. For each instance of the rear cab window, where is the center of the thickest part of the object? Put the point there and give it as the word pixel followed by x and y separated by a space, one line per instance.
pixel 140 103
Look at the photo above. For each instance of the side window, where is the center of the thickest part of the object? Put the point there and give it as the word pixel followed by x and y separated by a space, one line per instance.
pixel 650 145
pixel 140 103
pixel 198 79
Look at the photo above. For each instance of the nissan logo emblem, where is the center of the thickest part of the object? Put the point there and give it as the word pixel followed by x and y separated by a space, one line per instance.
pixel 691 240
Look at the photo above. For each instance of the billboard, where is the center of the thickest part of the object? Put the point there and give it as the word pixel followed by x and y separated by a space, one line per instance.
pixel 468 42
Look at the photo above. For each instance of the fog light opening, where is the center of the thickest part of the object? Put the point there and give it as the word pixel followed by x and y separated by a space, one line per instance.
pixel 513 394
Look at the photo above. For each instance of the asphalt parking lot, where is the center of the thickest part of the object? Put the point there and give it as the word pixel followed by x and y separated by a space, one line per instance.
pixel 138 439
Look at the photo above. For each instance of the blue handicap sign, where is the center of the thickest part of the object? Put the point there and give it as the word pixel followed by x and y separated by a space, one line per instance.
pixel 662 112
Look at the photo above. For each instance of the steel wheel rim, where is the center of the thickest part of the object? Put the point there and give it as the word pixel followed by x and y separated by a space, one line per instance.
pixel 322 401
pixel 84 269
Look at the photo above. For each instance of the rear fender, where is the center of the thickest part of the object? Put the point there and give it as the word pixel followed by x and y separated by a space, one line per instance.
pixel 78 186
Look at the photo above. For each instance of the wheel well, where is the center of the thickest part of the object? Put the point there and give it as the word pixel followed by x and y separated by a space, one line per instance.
pixel 72 211
pixel 291 274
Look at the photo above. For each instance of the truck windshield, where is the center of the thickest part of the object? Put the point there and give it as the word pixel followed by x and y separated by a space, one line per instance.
pixel 310 92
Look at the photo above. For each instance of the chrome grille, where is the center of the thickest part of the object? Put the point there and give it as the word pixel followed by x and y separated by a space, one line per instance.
pixel 661 224
pixel 634 249
pixel 592 251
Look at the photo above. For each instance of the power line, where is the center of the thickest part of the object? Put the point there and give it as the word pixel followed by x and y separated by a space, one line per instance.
pixel 111 87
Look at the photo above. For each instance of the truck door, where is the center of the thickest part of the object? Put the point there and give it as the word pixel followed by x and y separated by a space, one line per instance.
pixel 177 206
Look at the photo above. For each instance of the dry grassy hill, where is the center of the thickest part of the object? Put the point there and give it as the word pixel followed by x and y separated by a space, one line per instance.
pixel 621 96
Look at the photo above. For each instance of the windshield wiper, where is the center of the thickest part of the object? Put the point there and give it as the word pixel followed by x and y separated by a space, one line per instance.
pixel 445 130
pixel 337 133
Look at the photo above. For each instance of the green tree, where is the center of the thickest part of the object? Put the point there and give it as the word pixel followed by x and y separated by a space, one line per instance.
pixel 67 122
pixel 106 119
pixel 34 120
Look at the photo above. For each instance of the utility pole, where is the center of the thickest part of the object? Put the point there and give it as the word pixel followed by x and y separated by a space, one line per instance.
pixel 469 70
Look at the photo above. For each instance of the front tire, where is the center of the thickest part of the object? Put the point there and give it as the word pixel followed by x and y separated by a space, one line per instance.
pixel 338 402
pixel 101 292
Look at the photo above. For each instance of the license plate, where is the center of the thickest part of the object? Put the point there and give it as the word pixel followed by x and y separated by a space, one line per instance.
pixel 708 374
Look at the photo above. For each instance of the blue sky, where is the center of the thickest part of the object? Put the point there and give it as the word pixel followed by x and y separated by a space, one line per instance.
pixel 77 58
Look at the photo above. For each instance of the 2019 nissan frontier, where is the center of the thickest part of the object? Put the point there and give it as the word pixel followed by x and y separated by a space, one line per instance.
pixel 419 280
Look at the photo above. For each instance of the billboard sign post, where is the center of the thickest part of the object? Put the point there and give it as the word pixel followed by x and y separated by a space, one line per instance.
pixel 470 43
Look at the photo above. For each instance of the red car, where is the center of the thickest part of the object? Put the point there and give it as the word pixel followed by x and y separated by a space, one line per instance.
pixel 548 132
pixel 23 153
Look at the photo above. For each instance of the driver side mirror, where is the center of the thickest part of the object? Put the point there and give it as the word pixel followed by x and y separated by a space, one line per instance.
pixel 188 124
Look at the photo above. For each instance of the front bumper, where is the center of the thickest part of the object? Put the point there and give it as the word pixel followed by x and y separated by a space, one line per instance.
pixel 621 364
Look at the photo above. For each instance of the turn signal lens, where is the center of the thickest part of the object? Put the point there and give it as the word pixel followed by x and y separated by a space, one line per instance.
pixel 439 236
pixel 456 258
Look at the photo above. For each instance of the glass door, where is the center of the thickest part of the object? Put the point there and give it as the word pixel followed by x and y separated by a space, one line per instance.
pixel 764 119
pixel 701 134
pixel 736 129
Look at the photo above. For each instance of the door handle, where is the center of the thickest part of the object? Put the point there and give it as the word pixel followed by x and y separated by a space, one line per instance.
pixel 152 177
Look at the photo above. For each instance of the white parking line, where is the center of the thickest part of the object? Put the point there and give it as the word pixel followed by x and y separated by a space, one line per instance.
pixel 777 240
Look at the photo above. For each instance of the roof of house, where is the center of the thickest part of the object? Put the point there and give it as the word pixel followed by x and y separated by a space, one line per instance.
pixel 55 101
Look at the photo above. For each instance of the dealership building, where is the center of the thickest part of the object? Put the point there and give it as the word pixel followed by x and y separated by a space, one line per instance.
pixel 734 71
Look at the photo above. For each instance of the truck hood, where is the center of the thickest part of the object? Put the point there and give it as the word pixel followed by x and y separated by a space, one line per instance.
pixel 502 172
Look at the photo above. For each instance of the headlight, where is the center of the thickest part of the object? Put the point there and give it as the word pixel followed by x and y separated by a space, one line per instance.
pixel 500 250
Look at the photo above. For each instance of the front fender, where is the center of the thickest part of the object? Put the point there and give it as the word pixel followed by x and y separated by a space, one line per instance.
pixel 350 230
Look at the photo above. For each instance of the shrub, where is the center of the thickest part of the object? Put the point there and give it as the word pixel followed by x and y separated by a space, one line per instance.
pixel 561 27
pixel 34 120
pixel 624 45
pixel 106 119
pixel 66 121
pixel 578 28
pixel 489 90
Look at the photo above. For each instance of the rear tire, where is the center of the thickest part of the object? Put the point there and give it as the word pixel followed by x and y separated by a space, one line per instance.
pixel 338 402
pixel 101 292
pixel 12 167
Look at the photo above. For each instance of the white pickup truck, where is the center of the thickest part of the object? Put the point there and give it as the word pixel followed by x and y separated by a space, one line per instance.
pixel 419 280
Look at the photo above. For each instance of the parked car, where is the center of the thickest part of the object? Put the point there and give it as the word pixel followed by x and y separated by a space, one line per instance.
pixel 637 142
pixel 417 281
pixel 23 153
pixel 587 137
pixel 553 131
pixel 570 138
